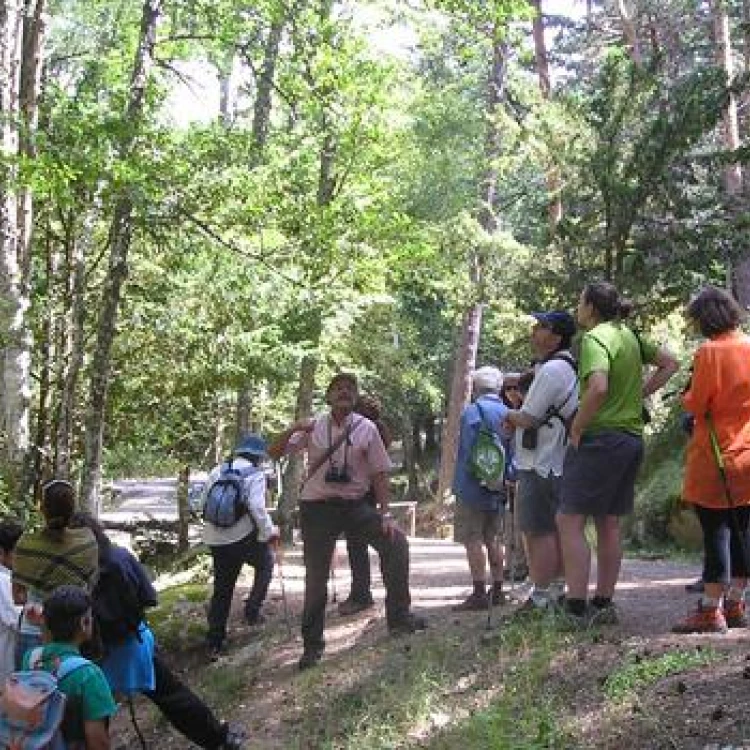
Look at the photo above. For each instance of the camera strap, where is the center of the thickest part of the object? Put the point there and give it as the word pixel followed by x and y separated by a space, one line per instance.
pixel 332 448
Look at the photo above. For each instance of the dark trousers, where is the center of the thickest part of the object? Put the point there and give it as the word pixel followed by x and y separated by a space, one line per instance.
pixel 228 561
pixel 321 524
pixel 184 710
pixel 726 542
pixel 359 562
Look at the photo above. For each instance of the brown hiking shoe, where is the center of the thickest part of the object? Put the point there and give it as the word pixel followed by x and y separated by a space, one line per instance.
pixel 702 620
pixel 735 614
pixel 475 603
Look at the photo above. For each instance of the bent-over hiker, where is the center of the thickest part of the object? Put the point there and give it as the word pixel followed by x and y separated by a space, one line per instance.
pixel 346 456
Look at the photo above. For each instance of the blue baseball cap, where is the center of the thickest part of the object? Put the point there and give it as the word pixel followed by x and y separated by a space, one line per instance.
pixel 558 321
pixel 251 445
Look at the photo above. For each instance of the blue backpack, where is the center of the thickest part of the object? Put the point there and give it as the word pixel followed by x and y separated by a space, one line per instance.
pixel 225 501
pixel 34 712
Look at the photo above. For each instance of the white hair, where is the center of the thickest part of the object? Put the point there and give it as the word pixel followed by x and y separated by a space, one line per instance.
pixel 487 379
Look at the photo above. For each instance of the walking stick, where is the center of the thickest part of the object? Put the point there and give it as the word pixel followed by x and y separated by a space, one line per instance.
pixel 285 603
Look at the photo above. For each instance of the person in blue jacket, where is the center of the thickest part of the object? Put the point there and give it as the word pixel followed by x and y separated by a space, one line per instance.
pixel 479 510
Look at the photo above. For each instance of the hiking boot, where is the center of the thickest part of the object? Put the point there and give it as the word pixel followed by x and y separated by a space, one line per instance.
pixel 606 615
pixel 702 620
pixel 352 606
pixel 474 603
pixel 566 619
pixel 735 613
pixel 310 658
pixel 410 624
pixel 696 587
pixel 234 737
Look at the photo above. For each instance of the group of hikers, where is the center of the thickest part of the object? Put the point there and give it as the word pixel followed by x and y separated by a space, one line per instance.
pixel 554 446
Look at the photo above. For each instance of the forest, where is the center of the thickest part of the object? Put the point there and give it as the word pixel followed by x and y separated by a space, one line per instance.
pixel 207 208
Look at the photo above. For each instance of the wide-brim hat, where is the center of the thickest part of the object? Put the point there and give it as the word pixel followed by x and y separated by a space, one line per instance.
pixel 251 445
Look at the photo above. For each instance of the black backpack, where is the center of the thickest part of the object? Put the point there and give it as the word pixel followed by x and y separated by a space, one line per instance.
pixel 117 606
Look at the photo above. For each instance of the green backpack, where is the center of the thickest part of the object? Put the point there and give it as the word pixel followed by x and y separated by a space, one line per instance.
pixel 487 459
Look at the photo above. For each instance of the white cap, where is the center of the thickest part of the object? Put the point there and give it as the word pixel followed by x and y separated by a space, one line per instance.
pixel 488 379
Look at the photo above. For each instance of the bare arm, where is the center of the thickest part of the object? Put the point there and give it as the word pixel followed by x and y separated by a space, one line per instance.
pixel 520 419
pixel 97 734
pixel 666 366
pixel 597 389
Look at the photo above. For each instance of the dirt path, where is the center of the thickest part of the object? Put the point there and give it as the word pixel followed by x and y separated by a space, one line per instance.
pixel 651 597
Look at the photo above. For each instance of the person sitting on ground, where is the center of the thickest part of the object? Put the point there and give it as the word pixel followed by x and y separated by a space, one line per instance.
pixel 606 447
pixel 541 442
pixel 479 509
pixel 248 539
pixel 360 595
pixel 68 623
pixel 130 659
pixel 53 556
pixel 10 531
pixel 717 463
pixel 346 457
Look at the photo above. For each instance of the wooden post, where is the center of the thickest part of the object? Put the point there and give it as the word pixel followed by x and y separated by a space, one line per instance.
pixel 183 511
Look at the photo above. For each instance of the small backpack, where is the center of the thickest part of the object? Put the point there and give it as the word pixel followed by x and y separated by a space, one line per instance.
pixel 225 502
pixel 34 712
pixel 487 459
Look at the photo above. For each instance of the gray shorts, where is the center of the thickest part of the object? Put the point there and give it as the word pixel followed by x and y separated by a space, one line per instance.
pixel 470 524
pixel 599 475
pixel 537 502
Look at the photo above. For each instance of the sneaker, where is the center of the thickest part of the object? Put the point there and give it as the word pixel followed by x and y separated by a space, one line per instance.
pixel 410 624
pixel 735 614
pixel 606 615
pixel 254 618
pixel 353 606
pixel 474 603
pixel 310 658
pixel 234 737
pixel 696 587
pixel 702 620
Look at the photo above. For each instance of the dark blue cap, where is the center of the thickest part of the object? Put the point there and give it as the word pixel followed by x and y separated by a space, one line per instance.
pixel 251 445
pixel 558 321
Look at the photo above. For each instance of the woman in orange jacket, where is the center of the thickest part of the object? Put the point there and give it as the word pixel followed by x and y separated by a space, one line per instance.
pixel 719 399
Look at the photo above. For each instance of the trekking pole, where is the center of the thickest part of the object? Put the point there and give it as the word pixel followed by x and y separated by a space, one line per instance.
pixel 284 602
pixel 721 466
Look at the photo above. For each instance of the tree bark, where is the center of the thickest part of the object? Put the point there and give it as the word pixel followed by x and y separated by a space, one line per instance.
pixel 554 184
pixel 265 84
pixel 119 239
pixel 630 33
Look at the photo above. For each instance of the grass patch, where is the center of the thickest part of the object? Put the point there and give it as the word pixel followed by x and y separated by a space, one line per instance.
pixel 180 619
pixel 639 672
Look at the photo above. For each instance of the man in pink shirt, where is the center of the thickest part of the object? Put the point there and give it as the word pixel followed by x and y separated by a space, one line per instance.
pixel 346 457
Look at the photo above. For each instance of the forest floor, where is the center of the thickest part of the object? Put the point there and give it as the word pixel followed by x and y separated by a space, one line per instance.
pixel 527 685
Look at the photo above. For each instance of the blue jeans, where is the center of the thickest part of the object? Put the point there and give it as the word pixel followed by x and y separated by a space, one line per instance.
pixel 228 561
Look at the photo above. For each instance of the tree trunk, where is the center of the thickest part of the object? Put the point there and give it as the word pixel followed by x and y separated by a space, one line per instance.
pixel 15 339
pixel 183 511
pixel 465 361
pixel 295 468
pixel 119 239
pixel 265 84
pixel 630 33
pixel 410 458
pixel 554 183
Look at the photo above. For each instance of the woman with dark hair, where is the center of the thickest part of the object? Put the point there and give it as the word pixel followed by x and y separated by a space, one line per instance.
pixel 131 662
pixel 54 556
pixel 606 445
pixel 719 399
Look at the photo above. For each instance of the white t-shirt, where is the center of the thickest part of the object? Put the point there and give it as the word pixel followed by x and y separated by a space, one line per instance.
pixel 555 385
pixel 9 614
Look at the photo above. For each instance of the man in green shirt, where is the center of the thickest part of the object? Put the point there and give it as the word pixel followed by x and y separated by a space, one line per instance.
pixel 606 446
pixel 68 621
